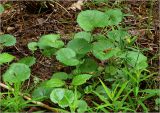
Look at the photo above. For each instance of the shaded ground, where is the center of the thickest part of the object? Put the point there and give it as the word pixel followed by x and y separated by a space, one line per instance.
pixel 27 25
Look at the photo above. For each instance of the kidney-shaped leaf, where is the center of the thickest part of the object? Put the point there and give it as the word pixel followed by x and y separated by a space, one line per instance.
pixel 17 72
pixel 5 57
pixel 80 46
pixel 63 97
pixel 67 56
pixel 50 40
pixel 90 19
pixel 7 40
pixel 80 79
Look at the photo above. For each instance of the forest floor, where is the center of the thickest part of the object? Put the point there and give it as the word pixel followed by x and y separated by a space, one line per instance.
pixel 27 24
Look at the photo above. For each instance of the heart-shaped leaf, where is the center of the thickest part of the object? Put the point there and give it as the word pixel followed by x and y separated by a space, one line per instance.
pixel 63 97
pixel 5 57
pixel 67 56
pixel 7 40
pixel 50 40
pixel 90 19
pixel 80 46
pixel 17 72
pixel 80 79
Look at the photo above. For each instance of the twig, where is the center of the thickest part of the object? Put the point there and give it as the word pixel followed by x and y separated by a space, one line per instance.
pixel 28 98
pixel 62 7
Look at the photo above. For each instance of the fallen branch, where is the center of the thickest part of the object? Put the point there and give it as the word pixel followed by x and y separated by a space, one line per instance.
pixel 28 98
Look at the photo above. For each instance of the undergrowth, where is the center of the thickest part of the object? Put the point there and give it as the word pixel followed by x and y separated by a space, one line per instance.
pixel 106 66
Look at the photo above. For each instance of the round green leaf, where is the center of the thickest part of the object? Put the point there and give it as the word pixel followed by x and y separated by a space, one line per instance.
pixel 28 60
pixel 115 16
pixel 63 97
pixel 32 46
pixel 80 79
pixel 90 19
pixel 80 46
pixel 5 57
pixel 104 49
pixel 60 75
pixel 84 35
pixel 57 95
pixel 88 66
pixel 7 40
pixel 67 56
pixel 50 40
pixel 17 72
pixel 53 82
pixel 67 99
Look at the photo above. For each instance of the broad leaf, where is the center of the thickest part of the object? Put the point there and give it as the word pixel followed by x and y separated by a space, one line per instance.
pixel 32 46
pixel 28 60
pixel 67 56
pixel 5 58
pixel 63 97
pixel 90 19
pixel 50 40
pixel 17 72
pixel 84 35
pixel 80 79
pixel 7 40
pixel 80 46
pixel 60 75
pixel 115 16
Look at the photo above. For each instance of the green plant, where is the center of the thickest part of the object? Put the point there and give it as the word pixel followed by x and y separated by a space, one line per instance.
pixel 112 57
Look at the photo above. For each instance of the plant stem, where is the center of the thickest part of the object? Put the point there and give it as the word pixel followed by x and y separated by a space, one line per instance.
pixel 28 98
